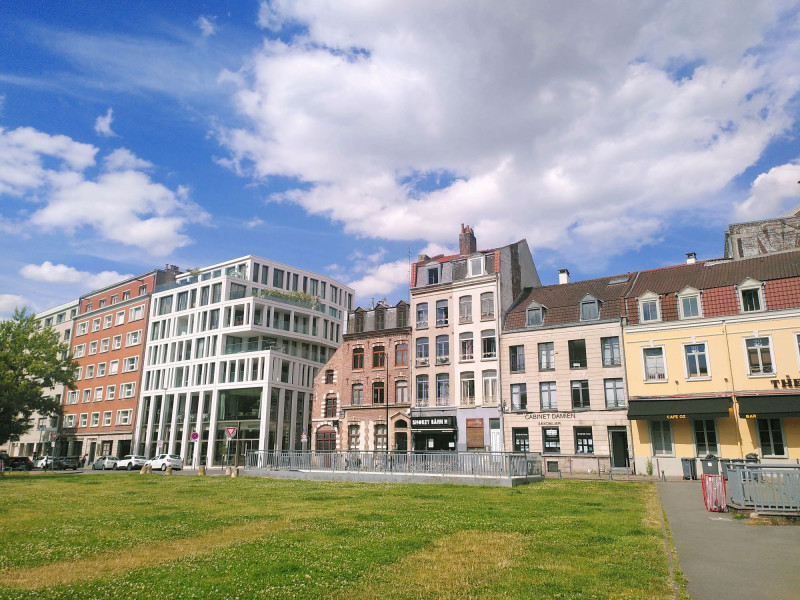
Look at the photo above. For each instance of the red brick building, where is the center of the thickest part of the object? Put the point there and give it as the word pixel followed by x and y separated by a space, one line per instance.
pixel 366 383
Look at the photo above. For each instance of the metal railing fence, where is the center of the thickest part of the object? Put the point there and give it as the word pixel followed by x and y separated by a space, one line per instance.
pixel 765 487
pixel 475 464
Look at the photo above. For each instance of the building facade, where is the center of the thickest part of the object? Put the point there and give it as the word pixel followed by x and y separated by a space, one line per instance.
pixel 563 375
pixel 234 348
pixel 713 361
pixel 37 441
pixel 365 385
pixel 108 345
pixel 746 240
pixel 457 304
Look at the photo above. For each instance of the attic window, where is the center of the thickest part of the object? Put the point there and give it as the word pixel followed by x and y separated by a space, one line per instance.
pixel 535 316
pixel 475 266
pixel 590 309
pixel 433 276
pixel 359 322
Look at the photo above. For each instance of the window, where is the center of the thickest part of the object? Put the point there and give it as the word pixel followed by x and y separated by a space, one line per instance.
pixel 104 345
pixel 358 394
pixel 107 321
pixel 124 417
pixel 126 295
pixel 120 317
pixel 615 395
pixel 89 371
pixel 433 276
pixel 102 303
pixel 422 351
pixel 330 407
pixel 378 356
pixel 402 316
pixel 107 418
pixel 72 397
pixel 771 437
pixel 519 396
pixel 380 318
pixel 422 390
pixel 465 342
pixel 96 324
pixel 381 437
pixel 584 444
pixel 611 354
pixel 92 348
pixel 110 392
pixel 649 307
pixel 590 309
pixel 133 338
pixel 442 389
pixel 661 438
pixel 654 367
pixel 551 439
pixel 517 356
pixel 751 297
pixel 520 437
pixel 487 305
pixel 467 388
pixel 78 373
pixel 277 279
pixel 580 394
pixel 401 355
pixel 441 313
pixel 353 437
pixel 95 419
pixel 358 358
pixel 116 342
pixel 401 392
pixel 142 289
pixel 127 390
pixel 548 396
pixel 130 364
pixel 705 437
pixel 84 421
pixel 475 266
pixel 442 349
pixel 759 356
pixel 490 387
pixel 378 392
pixel 534 316
pixel 69 421
pixel 465 309
pixel 577 354
pixel 422 315
pixel 87 396
pixel 696 361
pixel 689 304
pixel 488 344
pixel 113 367
pixel 101 369
pixel 83 328
pixel 80 351
pixel 326 441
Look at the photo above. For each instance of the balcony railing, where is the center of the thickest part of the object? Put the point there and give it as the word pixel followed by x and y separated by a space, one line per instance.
pixel 422 402
pixel 443 400
pixel 467 400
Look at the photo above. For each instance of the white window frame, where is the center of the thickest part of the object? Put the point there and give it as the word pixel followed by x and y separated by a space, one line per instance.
pixel 646 298
pixel 111 392
pixel 92 348
pixel 684 347
pixel 104 344
pixel 124 417
pixel 87 395
pixel 645 378
pixel 136 313
pixel 79 351
pixel 69 420
pixel 116 342
pixel 772 356
pixel 133 361
pixel 96 324
pixel 749 285
pixel 89 371
pixel 98 394
pixel 95 419
pixel 686 294
pixel 101 369
pixel 471 266
pixel 72 397
pixel 465 316
pixel 82 329
pixel 127 390
pixel 133 338
pixel 120 318
pixel 107 418
pixel 107 321
pixel 84 420
pixel 113 367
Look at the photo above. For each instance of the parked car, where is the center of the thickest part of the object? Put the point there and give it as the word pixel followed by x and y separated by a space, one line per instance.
pixel 131 461
pixel 102 463
pixel 43 462
pixel 65 462
pixel 162 461
pixel 17 463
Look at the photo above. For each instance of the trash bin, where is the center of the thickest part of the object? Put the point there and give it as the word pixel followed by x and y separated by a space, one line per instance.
pixel 728 464
pixel 689 468
pixel 751 458
pixel 710 465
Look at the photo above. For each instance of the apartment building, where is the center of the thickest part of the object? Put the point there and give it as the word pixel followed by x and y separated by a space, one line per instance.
pixel 37 441
pixel 563 374
pixel 364 386
pixel 234 348
pixel 712 354
pixel 108 345
pixel 457 306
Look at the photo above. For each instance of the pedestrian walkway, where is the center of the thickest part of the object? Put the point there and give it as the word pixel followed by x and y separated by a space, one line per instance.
pixel 727 558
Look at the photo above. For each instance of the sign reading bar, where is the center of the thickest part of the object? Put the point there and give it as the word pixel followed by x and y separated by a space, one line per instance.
pixel 433 422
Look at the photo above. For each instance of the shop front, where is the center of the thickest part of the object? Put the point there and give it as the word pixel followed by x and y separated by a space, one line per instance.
pixel 434 433
pixel 772 425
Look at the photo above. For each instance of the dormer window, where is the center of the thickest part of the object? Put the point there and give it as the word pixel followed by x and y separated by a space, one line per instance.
pixel 433 275
pixel 649 307
pixel 689 306
pixel 475 266
pixel 534 315
pixel 590 308
pixel 380 319
pixel 358 323
pixel 751 295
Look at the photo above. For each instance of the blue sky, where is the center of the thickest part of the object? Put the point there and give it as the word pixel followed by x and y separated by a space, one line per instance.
pixel 343 137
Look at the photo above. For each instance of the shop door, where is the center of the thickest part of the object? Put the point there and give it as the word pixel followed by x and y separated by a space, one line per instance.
pixel 401 441
pixel 92 450
pixel 619 448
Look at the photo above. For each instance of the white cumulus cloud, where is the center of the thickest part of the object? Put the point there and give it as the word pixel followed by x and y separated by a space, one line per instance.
pixel 382 280
pixel 770 194
pixel 61 273
pixel 102 125
pixel 8 302
pixel 207 25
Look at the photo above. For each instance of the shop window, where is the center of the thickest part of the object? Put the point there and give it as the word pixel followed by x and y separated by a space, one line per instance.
pixel 770 435
pixel 521 441
pixel 661 438
pixel 705 437
pixel 551 440
pixel 584 444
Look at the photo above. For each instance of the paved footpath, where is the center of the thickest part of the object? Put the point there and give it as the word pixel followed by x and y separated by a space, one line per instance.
pixel 727 558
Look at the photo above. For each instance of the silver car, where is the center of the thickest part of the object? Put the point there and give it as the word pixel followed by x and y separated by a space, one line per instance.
pixel 162 461
pixel 130 462
pixel 104 462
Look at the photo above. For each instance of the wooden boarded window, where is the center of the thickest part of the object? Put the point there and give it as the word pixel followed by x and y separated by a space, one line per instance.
pixel 475 434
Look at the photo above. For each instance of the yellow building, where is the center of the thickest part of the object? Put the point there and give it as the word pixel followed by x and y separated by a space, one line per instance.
pixel 712 356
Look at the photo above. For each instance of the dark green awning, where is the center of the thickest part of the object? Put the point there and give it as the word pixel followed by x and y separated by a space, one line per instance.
pixel 679 408
pixel 769 405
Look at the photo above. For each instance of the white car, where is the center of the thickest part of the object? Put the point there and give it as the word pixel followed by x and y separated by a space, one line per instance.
pixel 130 462
pixel 162 461
pixel 43 462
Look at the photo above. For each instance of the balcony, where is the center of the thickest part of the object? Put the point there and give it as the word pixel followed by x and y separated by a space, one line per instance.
pixel 467 400
pixel 250 347
pixel 443 400
pixel 422 402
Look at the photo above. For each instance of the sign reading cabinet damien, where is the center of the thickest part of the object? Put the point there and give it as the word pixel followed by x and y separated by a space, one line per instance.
pixel 550 418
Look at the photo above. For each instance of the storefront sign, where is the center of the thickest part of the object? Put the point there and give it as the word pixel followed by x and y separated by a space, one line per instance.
pixel 433 422
pixel 554 416
pixel 787 384
pixel 676 416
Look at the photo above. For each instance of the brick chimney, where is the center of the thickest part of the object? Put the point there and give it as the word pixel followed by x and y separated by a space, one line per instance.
pixel 466 241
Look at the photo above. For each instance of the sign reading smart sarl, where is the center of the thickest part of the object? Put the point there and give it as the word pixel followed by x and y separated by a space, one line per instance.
pixel 433 422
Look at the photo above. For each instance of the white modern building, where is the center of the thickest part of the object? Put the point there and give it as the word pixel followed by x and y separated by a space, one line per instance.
pixel 236 346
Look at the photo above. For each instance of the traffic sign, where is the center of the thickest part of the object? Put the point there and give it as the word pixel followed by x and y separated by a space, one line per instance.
pixel 195 436
pixel 231 431
pixel 53 436
pixel 304 438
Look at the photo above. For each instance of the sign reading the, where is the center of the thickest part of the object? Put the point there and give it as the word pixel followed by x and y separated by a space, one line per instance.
pixel 230 432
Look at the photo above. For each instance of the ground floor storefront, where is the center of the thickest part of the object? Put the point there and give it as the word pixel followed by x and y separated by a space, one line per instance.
pixel 363 428
pixel 671 433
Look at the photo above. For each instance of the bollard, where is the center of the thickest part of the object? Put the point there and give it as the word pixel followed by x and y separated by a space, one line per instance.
pixel 201 470
pixel 149 468
pixel 169 470
pixel 227 471
pixel 234 472
pixel 143 470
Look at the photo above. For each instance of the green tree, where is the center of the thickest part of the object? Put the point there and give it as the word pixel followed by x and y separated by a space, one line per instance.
pixel 31 361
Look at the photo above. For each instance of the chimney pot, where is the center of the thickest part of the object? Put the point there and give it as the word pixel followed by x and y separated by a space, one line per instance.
pixel 691 258
pixel 563 276
pixel 466 241
pixel 423 257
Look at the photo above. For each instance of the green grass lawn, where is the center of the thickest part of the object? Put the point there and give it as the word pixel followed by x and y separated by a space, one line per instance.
pixel 150 536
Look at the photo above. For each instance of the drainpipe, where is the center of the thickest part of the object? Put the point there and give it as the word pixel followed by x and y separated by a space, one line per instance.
pixel 735 396
pixel 623 321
